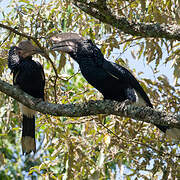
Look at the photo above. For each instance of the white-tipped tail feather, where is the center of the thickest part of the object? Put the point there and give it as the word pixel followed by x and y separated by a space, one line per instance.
pixel 28 144
pixel 26 111
pixel 173 133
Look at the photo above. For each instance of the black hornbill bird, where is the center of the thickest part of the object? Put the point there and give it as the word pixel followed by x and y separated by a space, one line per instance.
pixel 28 75
pixel 112 80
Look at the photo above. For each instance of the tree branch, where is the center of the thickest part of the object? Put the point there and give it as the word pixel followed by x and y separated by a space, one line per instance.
pixel 155 30
pixel 108 107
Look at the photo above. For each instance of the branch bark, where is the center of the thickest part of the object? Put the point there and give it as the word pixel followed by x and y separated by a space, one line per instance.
pixel 108 107
pixel 15 31
pixel 100 11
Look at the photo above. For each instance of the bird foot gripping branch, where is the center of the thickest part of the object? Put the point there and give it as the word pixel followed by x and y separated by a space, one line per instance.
pixel 126 103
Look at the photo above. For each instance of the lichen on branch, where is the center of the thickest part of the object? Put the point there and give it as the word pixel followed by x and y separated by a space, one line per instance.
pixel 108 107
pixel 100 11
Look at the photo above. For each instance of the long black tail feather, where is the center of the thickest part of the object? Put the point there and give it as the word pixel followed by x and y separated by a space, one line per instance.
pixel 28 134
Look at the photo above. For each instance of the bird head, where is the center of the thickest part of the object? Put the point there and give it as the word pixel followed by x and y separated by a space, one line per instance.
pixel 75 45
pixel 25 49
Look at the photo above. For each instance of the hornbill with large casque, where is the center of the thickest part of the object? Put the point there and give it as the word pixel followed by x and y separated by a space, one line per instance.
pixel 112 80
pixel 28 75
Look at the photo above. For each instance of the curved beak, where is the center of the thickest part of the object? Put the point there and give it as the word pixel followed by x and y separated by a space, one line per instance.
pixel 65 42
pixel 38 51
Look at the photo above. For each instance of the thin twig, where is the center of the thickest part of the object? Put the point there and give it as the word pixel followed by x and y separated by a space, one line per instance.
pixel 137 142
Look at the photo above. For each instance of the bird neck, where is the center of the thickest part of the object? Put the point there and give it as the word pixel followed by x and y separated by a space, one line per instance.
pixel 90 61
pixel 26 58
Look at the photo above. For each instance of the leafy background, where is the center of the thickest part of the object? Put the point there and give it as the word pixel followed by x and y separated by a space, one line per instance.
pixel 93 147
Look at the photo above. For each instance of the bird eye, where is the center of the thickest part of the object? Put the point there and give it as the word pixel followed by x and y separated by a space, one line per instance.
pixel 19 53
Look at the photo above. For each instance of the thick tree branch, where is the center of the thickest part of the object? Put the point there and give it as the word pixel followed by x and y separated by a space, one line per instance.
pixel 108 107
pixel 155 30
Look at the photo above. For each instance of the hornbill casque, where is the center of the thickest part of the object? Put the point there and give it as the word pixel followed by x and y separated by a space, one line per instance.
pixel 28 75
pixel 112 80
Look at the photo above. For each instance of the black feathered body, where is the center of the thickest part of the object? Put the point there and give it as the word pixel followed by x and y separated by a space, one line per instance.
pixel 102 81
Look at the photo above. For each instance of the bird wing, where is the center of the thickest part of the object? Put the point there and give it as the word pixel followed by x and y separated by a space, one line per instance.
pixel 13 58
pixel 41 70
pixel 13 62
pixel 42 82
pixel 124 76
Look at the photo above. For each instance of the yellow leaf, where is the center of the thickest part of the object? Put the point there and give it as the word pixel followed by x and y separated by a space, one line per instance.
pixel 107 139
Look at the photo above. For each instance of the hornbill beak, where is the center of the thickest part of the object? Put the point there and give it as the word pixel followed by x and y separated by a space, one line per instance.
pixel 38 51
pixel 66 42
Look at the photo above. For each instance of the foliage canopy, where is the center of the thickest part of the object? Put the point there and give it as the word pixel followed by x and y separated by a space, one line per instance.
pixel 93 147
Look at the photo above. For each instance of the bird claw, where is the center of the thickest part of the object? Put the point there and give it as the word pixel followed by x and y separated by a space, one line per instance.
pixel 38 100
pixel 126 103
